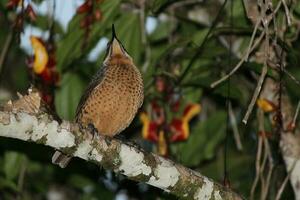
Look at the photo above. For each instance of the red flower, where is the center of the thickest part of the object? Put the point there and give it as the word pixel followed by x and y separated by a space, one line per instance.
pixel 180 127
pixel 149 131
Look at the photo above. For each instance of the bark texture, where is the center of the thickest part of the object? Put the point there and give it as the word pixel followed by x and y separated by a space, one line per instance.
pixel 25 119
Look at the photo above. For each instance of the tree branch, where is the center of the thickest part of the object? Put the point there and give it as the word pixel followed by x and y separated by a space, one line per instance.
pixel 24 119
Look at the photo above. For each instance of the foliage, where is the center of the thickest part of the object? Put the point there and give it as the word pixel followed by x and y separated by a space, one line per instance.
pixel 180 29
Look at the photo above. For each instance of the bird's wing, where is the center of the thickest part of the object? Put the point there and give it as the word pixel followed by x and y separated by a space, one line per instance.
pixel 96 80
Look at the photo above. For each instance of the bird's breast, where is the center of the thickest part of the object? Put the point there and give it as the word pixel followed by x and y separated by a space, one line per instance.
pixel 113 103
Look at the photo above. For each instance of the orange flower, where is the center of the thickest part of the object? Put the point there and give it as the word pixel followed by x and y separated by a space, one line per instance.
pixel 266 105
pixel 41 56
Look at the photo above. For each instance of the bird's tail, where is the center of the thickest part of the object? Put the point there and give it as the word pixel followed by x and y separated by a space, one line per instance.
pixel 60 159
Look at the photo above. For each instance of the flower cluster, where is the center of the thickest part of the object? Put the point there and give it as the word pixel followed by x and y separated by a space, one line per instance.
pixel 156 128
pixel 43 67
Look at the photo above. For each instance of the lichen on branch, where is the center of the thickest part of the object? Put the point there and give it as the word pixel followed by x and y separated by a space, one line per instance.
pixel 26 119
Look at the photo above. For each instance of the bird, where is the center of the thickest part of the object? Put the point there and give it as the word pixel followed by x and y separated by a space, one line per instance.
pixel 112 98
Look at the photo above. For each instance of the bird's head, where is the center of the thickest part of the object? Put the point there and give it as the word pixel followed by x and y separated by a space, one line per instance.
pixel 115 51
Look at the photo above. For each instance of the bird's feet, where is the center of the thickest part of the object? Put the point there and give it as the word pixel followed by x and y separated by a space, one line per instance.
pixel 94 131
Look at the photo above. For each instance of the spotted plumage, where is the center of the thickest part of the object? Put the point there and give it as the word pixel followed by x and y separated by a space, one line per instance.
pixel 112 98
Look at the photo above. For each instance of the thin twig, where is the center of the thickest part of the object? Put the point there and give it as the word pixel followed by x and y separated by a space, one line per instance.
pixel 287 12
pixel 256 93
pixel 271 166
pixel 257 167
pixel 235 129
pixel 281 189
pixel 5 49
pixel 22 177
pixel 261 174
pixel 252 39
pixel 261 127
pixel 262 76
pixel 258 153
pixel 267 158
pixel 224 78
pixel 201 47
pixel 296 114
pixel 267 182
pixel 291 76
pixel 185 3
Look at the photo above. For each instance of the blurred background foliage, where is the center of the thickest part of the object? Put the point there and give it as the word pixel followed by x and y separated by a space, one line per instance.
pixel 181 47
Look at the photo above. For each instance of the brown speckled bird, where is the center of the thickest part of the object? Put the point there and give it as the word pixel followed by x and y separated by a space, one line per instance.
pixel 112 98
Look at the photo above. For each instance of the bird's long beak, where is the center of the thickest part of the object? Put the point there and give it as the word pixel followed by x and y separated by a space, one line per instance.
pixel 116 47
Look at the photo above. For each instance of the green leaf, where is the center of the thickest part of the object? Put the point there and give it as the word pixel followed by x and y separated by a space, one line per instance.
pixel 162 30
pixel 297 8
pixel 42 22
pixel 90 188
pixel 203 141
pixel 68 95
pixel 130 35
pixel 239 16
pixel 235 162
pixel 8 184
pixel 156 4
pixel 192 94
pixel 256 67
pixel 81 182
pixel 70 47
pixel 199 36
pixel 205 80
pixel 12 163
pixel 235 92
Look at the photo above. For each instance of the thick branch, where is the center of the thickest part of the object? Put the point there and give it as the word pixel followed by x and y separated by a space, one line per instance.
pixel 25 122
